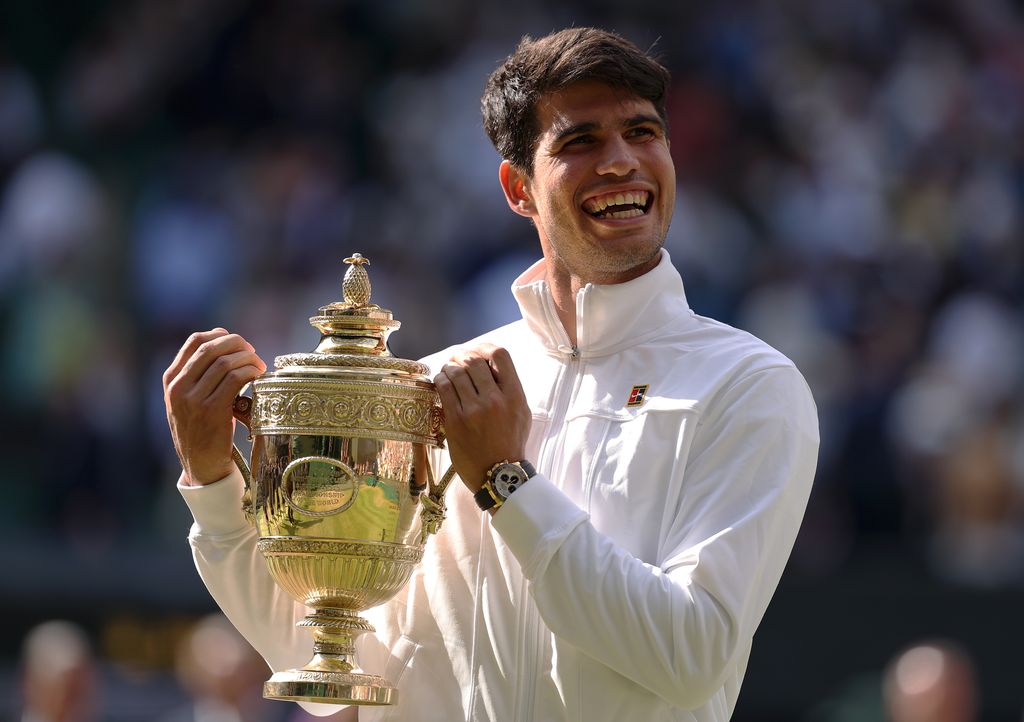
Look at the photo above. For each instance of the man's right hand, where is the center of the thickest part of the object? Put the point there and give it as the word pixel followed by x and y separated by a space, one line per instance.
pixel 199 389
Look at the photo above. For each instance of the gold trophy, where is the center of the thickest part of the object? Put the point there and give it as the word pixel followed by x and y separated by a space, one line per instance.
pixel 340 466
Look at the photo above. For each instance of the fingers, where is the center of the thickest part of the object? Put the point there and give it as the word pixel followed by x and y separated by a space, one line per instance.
pixel 487 417
pixel 228 372
pixel 187 350
pixel 479 371
pixel 467 379
pixel 505 371
pixel 498 363
pixel 446 390
pixel 473 370
pixel 207 353
pixel 200 387
pixel 211 368
pixel 478 377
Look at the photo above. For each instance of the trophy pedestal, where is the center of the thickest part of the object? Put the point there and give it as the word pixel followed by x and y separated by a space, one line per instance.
pixel 330 677
pixel 303 685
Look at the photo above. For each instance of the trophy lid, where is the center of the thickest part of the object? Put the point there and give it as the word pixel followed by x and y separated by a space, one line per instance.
pixel 353 332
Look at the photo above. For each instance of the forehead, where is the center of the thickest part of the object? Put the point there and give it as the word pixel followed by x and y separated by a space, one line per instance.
pixel 588 102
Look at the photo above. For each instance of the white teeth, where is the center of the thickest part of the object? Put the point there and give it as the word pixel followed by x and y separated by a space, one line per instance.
pixel 630 198
pixel 631 213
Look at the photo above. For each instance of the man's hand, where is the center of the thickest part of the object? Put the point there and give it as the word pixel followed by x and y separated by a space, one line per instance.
pixel 199 390
pixel 486 417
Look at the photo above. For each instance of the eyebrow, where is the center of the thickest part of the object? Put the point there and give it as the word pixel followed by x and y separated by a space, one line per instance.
pixel 630 122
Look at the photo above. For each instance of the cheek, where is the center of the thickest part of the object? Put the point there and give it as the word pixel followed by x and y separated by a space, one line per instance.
pixel 666 169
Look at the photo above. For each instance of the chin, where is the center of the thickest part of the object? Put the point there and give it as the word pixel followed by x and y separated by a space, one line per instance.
pixel 623 264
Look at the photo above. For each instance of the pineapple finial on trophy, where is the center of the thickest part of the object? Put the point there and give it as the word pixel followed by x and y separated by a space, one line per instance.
pixel 355 288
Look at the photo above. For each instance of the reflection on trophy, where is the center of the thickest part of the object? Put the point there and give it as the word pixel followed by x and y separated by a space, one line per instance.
pixel 339 470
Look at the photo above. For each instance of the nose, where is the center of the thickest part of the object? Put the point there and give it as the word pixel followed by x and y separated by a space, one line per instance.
pixel 618 158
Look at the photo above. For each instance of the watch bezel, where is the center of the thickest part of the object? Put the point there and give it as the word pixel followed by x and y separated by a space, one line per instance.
pixel 502 488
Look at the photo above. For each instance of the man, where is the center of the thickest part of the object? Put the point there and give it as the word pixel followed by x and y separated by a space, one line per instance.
pixel 673 454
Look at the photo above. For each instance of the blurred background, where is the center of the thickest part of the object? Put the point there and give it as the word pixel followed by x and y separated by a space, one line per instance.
pixel 851 177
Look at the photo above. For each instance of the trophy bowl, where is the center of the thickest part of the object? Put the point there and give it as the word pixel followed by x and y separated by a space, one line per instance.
pixel 341 491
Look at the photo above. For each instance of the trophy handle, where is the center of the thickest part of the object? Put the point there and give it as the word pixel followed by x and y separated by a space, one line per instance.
pixel 433 502
pixel 241 409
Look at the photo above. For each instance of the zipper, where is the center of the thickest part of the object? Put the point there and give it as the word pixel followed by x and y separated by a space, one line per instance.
pixel 531 639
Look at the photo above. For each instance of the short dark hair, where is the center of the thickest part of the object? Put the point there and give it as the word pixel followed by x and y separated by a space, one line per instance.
pixel 554 62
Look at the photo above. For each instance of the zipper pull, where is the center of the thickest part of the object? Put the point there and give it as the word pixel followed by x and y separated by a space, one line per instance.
pixel 571 350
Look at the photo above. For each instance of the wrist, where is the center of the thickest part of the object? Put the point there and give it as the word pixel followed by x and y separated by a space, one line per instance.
pixel 205 477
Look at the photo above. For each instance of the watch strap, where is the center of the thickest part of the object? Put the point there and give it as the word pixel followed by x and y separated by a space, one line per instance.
pixel 484 499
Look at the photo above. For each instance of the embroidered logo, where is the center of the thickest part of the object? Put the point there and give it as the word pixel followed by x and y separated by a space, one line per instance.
pixel 638 395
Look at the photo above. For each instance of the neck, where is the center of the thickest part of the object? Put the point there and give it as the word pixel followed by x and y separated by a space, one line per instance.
pixel 565 286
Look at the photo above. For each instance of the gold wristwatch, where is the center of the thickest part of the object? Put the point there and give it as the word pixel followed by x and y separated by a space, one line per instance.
pixel 502 480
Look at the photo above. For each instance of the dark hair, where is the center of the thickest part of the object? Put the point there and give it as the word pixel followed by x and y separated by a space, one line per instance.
pixel 554 62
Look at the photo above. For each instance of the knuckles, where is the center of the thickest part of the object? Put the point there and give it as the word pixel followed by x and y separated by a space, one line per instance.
pixel 221 364
pixel 241 376
pixel 176 391
pixel 500 353
pixel 482 353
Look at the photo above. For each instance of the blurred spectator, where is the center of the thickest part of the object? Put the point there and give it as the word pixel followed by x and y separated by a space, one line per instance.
pixel 223 677
pixel 954 425
pixel 931 682
pixel 58 675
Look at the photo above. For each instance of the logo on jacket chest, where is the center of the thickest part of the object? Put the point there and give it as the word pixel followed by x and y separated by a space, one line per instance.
pixel 637 395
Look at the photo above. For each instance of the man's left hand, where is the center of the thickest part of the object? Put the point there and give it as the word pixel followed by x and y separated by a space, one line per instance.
pixel 486 416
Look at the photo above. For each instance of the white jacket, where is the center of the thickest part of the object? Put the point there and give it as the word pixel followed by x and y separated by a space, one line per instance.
pixel 626 579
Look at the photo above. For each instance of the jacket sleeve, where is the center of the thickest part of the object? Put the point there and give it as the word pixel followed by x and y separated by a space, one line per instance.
pixel 677 626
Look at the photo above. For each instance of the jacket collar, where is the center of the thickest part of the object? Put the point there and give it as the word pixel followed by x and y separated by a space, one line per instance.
pixel 608 318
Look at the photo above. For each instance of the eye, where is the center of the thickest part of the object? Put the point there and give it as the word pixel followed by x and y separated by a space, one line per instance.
pixel 578 140
pixel 641 132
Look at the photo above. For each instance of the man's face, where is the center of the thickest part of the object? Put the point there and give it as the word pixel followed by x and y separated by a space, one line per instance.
pixel 603 184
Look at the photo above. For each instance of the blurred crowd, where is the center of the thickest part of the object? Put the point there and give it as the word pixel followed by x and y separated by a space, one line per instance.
pixel 217 677
pixel 851 177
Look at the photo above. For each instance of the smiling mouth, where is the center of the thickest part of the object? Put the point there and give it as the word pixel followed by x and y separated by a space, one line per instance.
pixel 631 204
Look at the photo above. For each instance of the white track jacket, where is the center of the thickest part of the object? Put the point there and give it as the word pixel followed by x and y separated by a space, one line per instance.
pixel 626 579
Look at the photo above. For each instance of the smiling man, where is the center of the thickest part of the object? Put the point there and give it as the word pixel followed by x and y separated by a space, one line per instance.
pixel 633 474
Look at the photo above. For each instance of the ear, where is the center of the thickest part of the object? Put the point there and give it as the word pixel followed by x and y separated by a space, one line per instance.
pixel 515 183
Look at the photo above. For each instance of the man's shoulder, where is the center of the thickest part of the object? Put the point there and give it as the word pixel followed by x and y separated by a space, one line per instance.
pixel 510 334
pixel 720 348
pixel 701 358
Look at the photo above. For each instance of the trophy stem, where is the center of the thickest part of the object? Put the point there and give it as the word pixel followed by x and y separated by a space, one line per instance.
pixel 329 676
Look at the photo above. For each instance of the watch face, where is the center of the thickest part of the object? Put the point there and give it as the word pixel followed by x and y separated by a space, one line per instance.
pixel 507 478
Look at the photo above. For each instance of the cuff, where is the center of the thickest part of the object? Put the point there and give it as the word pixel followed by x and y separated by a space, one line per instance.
pixel 534 522
pixel 216 507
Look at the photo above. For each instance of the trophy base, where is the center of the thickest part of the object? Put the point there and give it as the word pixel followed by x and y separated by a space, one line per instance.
pixel 301 685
